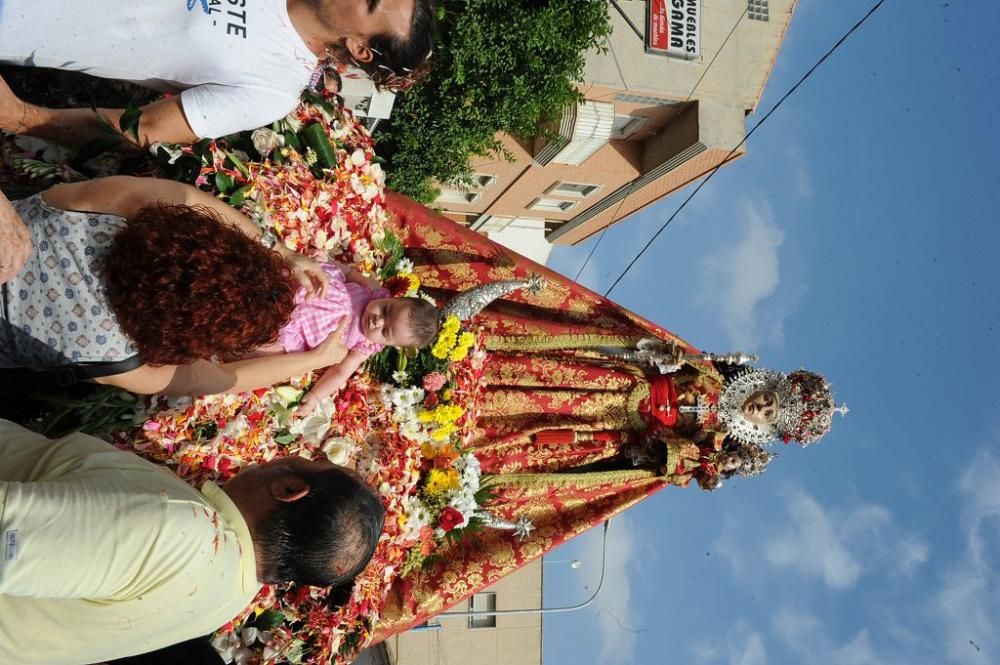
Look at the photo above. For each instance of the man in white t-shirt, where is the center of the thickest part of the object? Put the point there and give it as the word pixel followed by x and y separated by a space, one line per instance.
pixel 236 64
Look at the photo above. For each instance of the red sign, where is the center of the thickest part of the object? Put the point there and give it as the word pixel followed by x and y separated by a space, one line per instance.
pixel 673 28
pixel 658 27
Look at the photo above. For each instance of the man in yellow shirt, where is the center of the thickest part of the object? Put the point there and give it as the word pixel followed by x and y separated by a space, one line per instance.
pixel 105 555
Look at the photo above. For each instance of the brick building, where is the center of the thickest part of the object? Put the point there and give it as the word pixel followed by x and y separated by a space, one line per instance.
pixel 641 133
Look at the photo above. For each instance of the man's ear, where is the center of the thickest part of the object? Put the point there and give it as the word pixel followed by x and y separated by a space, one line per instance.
pixel 288 488
pixel 359 49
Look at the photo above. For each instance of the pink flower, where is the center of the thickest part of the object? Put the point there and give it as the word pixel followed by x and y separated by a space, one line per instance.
pixel 434 381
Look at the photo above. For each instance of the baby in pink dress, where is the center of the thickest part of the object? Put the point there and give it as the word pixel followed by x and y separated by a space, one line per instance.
pixel 374 321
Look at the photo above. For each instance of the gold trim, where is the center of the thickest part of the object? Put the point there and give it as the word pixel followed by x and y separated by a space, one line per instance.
pixel 555 342
pixel 639 393
pixel 549 480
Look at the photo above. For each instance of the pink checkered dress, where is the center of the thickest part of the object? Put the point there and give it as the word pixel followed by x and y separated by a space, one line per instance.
pixel 313 320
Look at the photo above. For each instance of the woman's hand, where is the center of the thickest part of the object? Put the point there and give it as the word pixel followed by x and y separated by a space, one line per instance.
pixel 309 274
pixel 332 351
pixel 15 241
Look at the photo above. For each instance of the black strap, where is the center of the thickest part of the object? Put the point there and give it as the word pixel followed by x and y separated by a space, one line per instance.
pixel 27 380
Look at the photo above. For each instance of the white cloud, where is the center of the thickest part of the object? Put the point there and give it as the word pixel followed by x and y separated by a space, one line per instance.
pixel 746 646
pixel 835 546
pixel 967 606
pixel 806 637
pixel 800 171
pixel 616 617
pixel 818 543
pixel 742 274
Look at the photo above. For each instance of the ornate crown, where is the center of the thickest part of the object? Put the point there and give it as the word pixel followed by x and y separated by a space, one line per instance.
pixel 805 406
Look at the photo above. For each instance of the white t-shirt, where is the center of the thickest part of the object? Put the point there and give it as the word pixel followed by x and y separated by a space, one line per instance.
pixel 240 63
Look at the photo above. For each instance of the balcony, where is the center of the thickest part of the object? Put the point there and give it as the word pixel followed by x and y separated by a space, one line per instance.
pixel 583 130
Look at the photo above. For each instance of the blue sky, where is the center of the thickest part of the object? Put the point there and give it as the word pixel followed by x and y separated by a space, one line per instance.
pixel 859 237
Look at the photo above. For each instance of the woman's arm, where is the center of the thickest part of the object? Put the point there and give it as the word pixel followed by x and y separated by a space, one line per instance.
pixel 331 382
pixel 125 196
pixel 205 378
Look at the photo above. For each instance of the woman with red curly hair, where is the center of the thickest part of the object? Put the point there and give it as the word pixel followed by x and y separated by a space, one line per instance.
pixel 159 279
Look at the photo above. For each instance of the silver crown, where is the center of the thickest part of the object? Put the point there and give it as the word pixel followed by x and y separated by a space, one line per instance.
pixel 469 303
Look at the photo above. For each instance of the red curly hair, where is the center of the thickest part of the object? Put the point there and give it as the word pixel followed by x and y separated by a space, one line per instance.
pixel 184 285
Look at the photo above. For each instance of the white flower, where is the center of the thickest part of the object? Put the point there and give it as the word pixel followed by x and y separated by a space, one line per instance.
pixel 404 265
pixel 315 427
pixel 173 152
pixel 399 376
pixel 250 635
pixel 358 157
pixel 227 644
pixel 265 140
pixel 291 122
pixel 428 298
pixel 339 450
pixel 236 427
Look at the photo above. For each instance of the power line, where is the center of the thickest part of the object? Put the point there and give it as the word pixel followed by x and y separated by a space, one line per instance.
pixel 745 138
pixel 666 129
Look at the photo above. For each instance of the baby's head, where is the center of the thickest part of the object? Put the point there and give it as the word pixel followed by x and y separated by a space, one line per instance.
pixel 407 322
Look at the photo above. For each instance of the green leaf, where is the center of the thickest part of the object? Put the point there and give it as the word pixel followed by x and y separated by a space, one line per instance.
pixel 129 120
pixel 238 164
pixel 223 182
pixel 269 620
pixel 285 438
pixel 316 138
pixel 237 198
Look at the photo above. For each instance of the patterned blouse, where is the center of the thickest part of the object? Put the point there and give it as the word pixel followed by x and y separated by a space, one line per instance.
pixel 55 310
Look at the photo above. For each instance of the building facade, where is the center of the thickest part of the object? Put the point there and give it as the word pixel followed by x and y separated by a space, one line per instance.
pixel 483 640
pixel 664 105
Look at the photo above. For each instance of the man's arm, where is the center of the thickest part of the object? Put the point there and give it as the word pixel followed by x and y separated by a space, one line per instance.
pixel 162 120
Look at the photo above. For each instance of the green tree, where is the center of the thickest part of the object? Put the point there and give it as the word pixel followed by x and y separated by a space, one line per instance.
pixel 500 66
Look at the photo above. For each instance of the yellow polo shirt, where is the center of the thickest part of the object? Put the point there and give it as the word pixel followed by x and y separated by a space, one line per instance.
pixel 105 555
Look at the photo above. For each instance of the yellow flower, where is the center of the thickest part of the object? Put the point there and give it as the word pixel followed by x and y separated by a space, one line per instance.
pixel 458 353
pixel 450 326
pixel 444 432
pixel 447 395
pixel 467 339
pixel 413 281
pixel 428 451
pixel 439 482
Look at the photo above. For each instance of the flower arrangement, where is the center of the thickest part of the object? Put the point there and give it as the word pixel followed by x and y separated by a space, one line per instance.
pixel 402 423
pixel 312 178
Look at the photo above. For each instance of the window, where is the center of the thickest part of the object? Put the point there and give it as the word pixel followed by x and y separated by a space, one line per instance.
pixel 626 125
pixel 458 196
pixel 483 180
pixel 572 189
pixel 552 205
pixel 757 10
pixel 493 223
pixel 483 602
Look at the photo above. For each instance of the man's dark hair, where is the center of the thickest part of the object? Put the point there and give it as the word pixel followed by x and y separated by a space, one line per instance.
pixel 398 63
pixel 325 538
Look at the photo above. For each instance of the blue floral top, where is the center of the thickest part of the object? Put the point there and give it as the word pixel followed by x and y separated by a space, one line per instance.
pixel 55 310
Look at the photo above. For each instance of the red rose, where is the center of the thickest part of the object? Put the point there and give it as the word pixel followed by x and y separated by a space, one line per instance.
pixel 450 518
